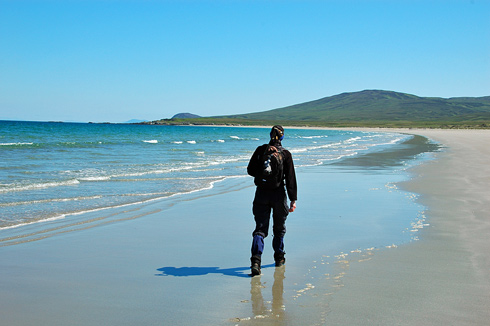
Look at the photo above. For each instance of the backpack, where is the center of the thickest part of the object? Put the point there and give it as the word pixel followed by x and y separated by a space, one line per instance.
pixel 271 168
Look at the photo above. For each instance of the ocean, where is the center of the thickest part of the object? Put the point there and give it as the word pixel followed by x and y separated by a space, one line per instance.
pixel 68 172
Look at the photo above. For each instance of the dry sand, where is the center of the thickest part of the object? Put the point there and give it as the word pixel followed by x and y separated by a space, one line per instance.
pixel 444 279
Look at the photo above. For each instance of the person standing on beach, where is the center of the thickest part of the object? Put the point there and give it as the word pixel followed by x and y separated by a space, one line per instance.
pixel 273 170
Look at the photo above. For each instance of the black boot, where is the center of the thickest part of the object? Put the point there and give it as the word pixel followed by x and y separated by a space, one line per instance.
pixel 280 259
pixel 255 265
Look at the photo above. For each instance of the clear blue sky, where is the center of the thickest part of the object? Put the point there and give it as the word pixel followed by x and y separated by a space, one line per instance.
pixel 119 60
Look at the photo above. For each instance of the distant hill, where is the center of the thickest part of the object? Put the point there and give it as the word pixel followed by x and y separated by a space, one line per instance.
pixel 135 121
pixel 185 116
pixel 372 108
pixel 377 105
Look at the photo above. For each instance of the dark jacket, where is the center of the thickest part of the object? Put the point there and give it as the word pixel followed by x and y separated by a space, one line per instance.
pixel 255 169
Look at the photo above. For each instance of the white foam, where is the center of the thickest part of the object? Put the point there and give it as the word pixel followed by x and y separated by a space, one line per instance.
pixel 95 178
pixel 191 141
pixel 183 193
pixel 40 185
pixel 351 140
pixel 59 217
pixel 184 167
pixel 153 141
pixel 313 137
pixel 42 201
pixel 15 144
pixel 310 148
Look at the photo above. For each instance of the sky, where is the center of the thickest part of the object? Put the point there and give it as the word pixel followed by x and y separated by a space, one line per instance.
pixel 114 60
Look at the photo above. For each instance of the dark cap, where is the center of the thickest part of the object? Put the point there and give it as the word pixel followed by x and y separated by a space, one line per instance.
pixel 277 132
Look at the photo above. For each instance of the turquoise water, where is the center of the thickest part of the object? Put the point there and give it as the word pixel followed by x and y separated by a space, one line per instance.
pixel 51 171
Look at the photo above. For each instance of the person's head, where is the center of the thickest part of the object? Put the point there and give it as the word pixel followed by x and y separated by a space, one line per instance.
pixel 277 133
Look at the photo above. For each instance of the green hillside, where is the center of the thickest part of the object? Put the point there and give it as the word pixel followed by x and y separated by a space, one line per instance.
pixel 371 108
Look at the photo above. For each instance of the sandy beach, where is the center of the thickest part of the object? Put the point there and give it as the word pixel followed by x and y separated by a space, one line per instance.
pixel 444 279
pixel 191 267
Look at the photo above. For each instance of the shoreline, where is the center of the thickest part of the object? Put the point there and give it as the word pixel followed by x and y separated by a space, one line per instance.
pixel 443 279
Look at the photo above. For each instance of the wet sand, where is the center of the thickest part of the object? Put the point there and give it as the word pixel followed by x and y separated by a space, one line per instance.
pixel 443 279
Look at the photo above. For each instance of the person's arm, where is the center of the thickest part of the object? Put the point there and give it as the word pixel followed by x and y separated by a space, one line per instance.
pixel 291 185
pixel 253 164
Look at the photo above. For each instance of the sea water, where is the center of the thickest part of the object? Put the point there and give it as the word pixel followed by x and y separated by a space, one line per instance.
pixel 58 171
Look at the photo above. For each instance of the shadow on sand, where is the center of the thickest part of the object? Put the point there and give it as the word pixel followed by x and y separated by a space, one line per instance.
pixel 199 271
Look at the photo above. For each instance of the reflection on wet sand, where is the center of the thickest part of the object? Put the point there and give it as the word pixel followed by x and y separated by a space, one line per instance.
pixel 259 306
pixel 266 312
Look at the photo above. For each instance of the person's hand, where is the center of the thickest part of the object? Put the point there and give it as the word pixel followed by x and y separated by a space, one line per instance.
pixel 292 206
pixel 273 150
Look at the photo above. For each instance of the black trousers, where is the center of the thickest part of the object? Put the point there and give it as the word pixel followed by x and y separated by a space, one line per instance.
pixel 265 202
